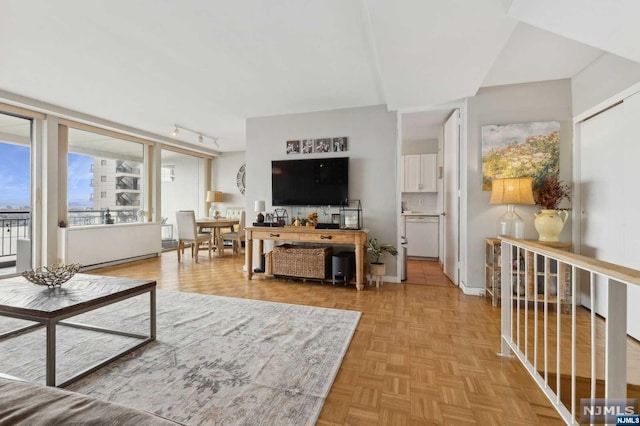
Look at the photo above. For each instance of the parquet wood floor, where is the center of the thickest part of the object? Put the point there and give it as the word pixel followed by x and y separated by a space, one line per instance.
pixel 421 354
pixel 426 272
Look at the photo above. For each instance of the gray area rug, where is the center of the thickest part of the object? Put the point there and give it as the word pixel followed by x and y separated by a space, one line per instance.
pixel 217 360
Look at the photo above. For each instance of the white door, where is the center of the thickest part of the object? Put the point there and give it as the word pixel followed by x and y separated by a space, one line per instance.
pixel 451 197
pixel 609 175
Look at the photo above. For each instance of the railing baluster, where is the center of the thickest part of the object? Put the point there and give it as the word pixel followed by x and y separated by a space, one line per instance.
pixel 527 284
pixel 535 316
pixel 573 341
pixel 546 321
pixel 558 331
pixel 615 373
pixel 592 316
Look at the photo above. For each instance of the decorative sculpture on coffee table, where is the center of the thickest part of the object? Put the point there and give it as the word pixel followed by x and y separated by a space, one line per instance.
pixel 52 276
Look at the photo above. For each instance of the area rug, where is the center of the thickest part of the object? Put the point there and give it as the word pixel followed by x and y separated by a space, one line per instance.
pixel 217 360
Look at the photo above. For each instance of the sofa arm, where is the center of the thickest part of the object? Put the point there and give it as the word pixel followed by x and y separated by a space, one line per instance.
pixel 23 403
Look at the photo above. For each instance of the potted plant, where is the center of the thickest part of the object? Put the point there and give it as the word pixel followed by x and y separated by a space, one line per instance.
pixel 376 251
pixel 549 220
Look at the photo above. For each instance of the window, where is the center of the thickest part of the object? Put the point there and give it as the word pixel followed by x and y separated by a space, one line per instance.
pixel 116 168
pixel 181 187
pixel 167 173
pixel 15 193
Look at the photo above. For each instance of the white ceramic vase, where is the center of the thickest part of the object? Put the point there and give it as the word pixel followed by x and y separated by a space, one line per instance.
pixel 549 224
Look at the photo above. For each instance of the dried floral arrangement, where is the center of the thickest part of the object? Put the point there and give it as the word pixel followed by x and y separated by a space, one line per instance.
pixel 312 217
pixel 551 192
pixel 52 276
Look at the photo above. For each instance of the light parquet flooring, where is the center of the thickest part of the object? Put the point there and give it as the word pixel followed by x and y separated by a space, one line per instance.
pixel 421 354
pixel 426 272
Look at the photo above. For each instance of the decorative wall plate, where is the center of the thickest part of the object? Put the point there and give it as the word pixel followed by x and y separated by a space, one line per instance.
pixel 240 178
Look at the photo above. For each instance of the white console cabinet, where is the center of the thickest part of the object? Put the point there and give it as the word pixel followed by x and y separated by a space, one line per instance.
pixel 419 173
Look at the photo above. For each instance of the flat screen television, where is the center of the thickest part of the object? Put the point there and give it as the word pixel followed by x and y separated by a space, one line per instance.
pixel 310 182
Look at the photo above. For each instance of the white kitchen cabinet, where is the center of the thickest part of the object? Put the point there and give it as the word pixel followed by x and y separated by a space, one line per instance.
pixel 419 173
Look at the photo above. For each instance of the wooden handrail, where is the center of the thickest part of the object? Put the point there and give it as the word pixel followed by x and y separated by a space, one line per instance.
pixel 619 273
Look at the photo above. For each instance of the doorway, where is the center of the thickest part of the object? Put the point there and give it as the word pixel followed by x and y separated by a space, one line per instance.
pixel 422 137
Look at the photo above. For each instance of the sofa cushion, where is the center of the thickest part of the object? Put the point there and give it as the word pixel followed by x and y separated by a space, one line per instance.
pixel 23 403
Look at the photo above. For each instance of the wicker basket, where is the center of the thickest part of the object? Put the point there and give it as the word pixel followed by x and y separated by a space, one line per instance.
pixel 303 262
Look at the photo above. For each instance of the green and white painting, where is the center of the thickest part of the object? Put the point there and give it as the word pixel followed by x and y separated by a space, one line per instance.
pixel 520 150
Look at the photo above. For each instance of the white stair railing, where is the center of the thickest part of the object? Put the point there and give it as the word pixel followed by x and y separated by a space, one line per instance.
pixel 529 303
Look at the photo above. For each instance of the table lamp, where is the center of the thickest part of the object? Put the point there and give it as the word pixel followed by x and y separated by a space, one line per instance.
pixel 259 207
pixel 511 191
pixel 214 197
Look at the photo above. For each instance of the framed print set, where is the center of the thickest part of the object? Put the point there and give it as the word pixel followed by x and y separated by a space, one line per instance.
pixel 313 146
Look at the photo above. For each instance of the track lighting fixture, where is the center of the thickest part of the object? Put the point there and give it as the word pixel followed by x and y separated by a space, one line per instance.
pixel 201 135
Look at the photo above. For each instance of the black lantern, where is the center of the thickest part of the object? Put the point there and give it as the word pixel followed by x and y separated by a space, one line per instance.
pixel 351 215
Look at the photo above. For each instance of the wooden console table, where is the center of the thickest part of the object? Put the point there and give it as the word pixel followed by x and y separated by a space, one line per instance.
pixel 308 235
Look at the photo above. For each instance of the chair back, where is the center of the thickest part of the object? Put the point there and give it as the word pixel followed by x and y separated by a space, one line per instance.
pixel 234 212
pixel 186 223
pixel 242 223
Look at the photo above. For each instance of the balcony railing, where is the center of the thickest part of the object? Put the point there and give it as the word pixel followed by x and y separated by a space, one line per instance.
pixel 96 217
pixel 15 225
pixel 570 352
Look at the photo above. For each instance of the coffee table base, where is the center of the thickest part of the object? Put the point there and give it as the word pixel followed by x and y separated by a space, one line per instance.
pixel 52 323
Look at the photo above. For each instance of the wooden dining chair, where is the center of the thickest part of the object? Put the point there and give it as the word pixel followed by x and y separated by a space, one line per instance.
pixel 188 234
pixel 236 237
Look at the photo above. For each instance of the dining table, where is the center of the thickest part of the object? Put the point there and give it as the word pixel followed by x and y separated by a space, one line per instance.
pixel 217 225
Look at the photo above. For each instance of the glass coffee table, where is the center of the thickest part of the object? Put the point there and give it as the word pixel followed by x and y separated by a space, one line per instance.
pixel 50 307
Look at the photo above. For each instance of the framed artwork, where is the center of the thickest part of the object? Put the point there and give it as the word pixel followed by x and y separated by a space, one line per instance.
pixel 307 146
pixel 268 218
pixel 339 144
pixel 335 218
pixel 520 150
pixel 323 145
pixel 293 147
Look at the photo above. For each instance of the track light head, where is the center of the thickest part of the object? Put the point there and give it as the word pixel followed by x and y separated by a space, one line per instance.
pixel 201 135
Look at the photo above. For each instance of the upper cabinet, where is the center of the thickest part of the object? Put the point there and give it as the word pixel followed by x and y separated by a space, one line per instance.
pixel 419 173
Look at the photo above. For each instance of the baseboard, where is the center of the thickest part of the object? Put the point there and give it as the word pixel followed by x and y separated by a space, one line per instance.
pixel 118 262
pixel 472 291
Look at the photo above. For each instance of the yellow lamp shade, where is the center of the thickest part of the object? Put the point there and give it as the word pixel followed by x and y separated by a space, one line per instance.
pixel 214 196
pixel 512 191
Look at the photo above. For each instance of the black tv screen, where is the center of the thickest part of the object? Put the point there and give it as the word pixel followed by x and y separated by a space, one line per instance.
pixel 310 182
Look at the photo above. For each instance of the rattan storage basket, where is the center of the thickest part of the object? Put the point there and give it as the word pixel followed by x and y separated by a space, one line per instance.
pixel 303 262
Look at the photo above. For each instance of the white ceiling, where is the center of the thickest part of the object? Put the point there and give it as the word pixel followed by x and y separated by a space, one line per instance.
pixel 210 65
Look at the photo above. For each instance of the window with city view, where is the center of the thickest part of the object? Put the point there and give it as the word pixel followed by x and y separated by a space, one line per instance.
pixel 15 193
pixel 105 179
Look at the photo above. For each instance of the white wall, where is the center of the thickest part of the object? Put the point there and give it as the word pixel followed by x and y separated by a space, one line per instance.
pixel 518 103
pixel 372 149
pixel 225 171
pixel 420 146
pixel 605 77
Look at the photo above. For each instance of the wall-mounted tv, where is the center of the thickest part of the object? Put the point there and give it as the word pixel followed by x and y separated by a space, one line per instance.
pixel 310 182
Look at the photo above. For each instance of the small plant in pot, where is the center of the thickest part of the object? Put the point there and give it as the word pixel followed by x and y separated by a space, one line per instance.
pixel 549 221
pixel 377 251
